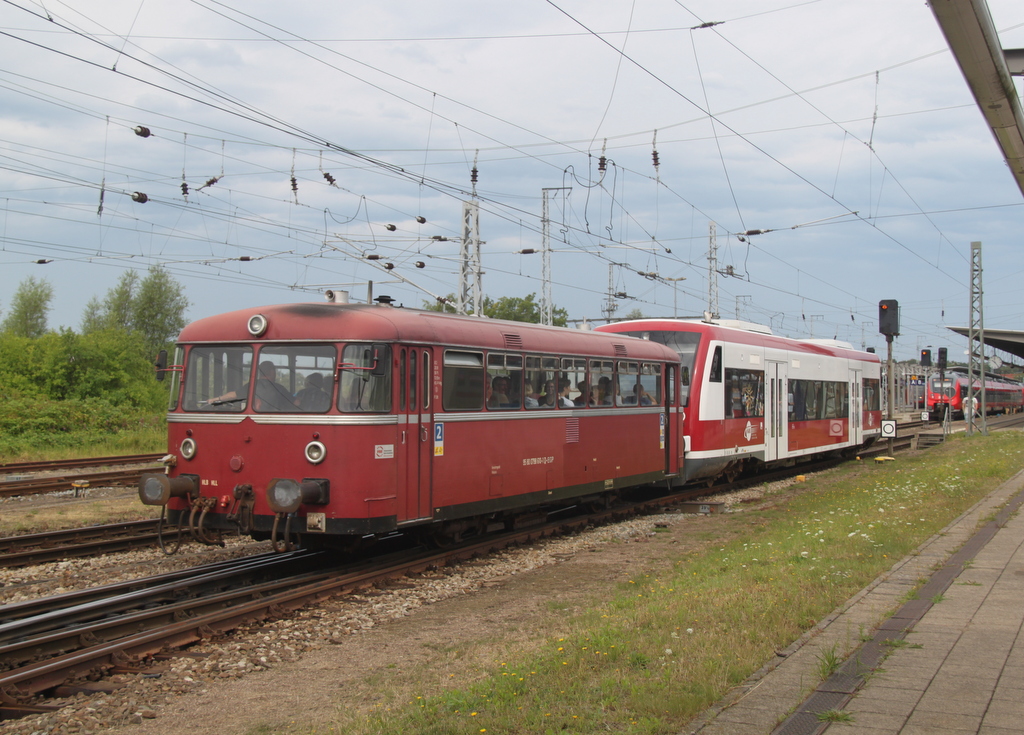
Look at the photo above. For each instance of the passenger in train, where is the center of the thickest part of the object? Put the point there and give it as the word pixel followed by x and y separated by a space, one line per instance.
pixel 585 397
pixel 313 397
pixel 532 399
pixel 499 392
pixel 550 396
pixel 639 397
pixel 271 395
pixel 602 389
pixel 564 386
pixel 612 397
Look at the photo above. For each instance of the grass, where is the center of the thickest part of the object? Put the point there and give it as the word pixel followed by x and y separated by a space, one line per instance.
pixel 829 661
pixel 673 640
pixel 834 715
pixel 72 445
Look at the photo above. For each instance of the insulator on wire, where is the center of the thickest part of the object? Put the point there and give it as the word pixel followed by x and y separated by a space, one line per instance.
pixel 139 197
pixel 473 175
pixel 295 185
pixel 142 131
pixel 184 189
pixel 654 157
pixel 373 256
pixel 421 220
pixel 420 264
pixel 390 228
pixel 602 164
pixel 245 258
pixel 44 261
pixel 389 266
pixel 330 179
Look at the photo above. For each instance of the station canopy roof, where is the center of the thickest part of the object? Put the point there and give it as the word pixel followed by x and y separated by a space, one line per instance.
pixel 1005 340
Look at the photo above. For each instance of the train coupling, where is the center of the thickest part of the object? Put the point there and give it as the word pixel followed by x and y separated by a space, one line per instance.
pixel 285 495
pixel 158 488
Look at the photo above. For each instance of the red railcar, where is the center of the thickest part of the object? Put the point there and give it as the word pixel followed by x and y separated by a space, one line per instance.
pixel 750 398
pixel 338 421
pixel 949 392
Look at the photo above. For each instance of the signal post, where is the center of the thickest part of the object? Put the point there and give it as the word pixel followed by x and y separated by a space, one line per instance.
pixel 889 325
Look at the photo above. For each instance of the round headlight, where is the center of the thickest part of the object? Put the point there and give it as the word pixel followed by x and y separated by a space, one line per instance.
pixel 188 448
pixel 257 325
pixel 316 452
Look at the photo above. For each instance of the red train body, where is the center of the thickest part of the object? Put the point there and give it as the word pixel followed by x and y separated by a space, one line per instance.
pixel 750 398
pixel 374 419
pixel 949 392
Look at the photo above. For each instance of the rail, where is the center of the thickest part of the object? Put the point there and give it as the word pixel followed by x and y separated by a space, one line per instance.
pixel 70 543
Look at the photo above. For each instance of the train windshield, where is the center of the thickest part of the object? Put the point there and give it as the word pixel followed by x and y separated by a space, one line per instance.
pixel 942 387
pixel 685 344
pixel 217 378
pixel 294 379
pixel 365 381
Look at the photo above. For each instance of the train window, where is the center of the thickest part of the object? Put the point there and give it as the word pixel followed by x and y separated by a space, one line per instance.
pixel 810 400
pixel 175 385
pixel 715 374
pixel 426 380
pixel 463 380
pixel 359 390
pixel 217 379
pixel 744 393
pixel 574 373
pixel 872 395
pixel 505 381
pixel 294 379
pixel 401 380
pixel 540 389
pixel 649 381
pixel 413 357
pixel 601 375
pixel 685 344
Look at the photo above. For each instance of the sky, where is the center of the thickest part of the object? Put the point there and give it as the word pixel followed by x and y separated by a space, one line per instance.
pixel 263 154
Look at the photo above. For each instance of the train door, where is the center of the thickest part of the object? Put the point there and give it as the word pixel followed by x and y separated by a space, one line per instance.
pixel 776 410
pixel 415 365
pixel 856 408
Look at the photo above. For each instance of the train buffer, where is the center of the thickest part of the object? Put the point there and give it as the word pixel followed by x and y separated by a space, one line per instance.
pixel 79 486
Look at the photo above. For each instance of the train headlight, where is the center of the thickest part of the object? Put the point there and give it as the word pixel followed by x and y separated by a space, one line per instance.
pixel 157 489
pixel 188 448
pixel 257 325
pixel 316 452
pixel 285 495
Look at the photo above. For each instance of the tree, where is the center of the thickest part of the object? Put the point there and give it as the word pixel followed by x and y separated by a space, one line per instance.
pixel 635 314
pixel 513 308
pixel 29 309
pixel 153 307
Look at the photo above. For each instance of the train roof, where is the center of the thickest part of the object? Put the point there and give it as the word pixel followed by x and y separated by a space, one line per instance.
pixel 743 332
pixel 304 322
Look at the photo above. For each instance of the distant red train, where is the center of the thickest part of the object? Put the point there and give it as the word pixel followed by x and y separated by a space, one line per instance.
pixel 1002 395
pixel 752 399
pixel 334 424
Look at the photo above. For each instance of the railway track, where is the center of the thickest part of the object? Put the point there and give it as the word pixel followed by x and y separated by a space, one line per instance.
pixel 48 645
pixel 39 548
pixel 18 480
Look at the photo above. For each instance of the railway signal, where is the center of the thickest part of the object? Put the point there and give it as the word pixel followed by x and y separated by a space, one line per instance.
pixel 942 358
pixel 926 358
pixel 889 317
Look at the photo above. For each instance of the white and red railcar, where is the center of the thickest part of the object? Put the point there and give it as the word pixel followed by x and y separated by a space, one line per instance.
pixel 750 398
pixel 329 421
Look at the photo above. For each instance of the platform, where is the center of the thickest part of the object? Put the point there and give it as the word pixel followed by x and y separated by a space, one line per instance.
pixel 948 662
